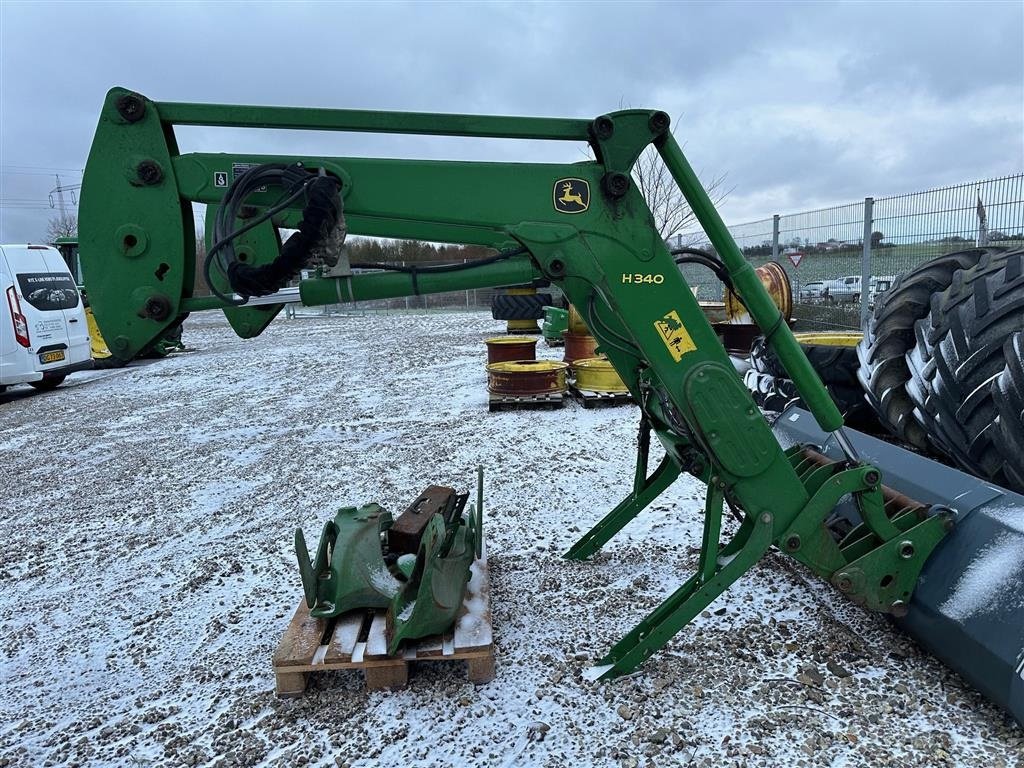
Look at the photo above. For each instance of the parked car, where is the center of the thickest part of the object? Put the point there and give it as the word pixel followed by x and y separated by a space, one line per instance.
pixel 879 285
pixel 845 290
pixel 812 292
pixel 43 332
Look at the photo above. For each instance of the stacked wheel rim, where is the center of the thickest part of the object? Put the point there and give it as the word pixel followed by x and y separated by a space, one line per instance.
pixel 576 324
pixel 521 378
pixel 504 348
pixel 578 346
pixel 597 374
pixel 775 280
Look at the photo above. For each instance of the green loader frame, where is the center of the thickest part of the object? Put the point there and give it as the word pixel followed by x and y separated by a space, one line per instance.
pixel 583 226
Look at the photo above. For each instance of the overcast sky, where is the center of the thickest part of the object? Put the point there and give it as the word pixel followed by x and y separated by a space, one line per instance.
pixel 798 105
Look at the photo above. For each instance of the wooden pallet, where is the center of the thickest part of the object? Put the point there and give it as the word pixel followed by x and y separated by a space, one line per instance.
pixel 356 640
pixel 590 399
pixel 548 401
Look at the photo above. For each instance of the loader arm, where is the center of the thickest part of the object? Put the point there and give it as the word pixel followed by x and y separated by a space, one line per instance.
pixel 583 226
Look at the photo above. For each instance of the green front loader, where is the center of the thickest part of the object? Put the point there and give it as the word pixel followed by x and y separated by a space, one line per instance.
pixel 586 228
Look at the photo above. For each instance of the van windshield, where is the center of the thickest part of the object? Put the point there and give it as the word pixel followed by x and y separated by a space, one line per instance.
pixel 46 291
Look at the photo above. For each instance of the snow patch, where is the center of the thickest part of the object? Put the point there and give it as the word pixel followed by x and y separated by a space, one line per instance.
pixel 406 613
pixel 384 582
pixel 595 672
pixel 995 571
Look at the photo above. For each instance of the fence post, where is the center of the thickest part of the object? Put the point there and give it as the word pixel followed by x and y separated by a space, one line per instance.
pixel 775 237
pixel 865 264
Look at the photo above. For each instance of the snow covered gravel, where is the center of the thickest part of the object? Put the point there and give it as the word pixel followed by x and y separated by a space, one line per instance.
pixel 147 572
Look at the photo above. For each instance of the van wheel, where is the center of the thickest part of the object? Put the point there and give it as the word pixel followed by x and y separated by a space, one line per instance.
pixel 51 382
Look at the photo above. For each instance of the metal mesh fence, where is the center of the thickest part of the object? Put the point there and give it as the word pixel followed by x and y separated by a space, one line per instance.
pixel 836 278
pixel 754 239
pixel 911 229
pixel 823 252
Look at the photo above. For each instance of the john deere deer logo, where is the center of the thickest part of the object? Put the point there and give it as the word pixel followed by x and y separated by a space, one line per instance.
pixel 571 195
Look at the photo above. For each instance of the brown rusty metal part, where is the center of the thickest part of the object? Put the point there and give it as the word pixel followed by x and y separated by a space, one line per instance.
pixel 503 348
pixel 578 346
pixel 714 311
pixel 775 280
pixel 895 502
pixel 526 377
pixel 405 534
pixel 576 324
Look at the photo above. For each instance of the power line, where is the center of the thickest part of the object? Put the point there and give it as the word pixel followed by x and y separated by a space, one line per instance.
pixel 4 171
pixel 37 169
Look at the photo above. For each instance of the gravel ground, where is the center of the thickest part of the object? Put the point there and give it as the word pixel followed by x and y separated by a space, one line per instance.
pixel 146 518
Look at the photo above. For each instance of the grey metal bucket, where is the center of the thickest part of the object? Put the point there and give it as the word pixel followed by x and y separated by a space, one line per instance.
pixel 968 607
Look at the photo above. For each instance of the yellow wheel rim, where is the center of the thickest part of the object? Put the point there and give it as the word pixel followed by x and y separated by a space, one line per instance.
pixel 830 338
pixel 597 374
pixel 511 340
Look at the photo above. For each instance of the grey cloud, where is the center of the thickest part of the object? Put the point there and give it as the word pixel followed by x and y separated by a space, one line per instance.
pixel 736 72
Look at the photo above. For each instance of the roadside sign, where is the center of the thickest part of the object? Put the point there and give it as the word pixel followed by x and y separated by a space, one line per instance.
pixel 795 258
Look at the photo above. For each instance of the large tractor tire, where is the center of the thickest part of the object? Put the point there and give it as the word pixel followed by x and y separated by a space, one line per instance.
pixel 958 363
pixel 763 360
pixel 506 306
pixel 1008 394
pixel 889 336
pixel 833 355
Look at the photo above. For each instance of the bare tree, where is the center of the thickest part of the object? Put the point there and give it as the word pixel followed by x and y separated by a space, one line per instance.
pixel 672 214
pixel 61 226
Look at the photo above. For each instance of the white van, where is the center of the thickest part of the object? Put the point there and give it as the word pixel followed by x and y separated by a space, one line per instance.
pixel 43 332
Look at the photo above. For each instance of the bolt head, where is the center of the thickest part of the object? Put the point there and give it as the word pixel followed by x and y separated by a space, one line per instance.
pixel 149 172
pixel 131 106
pixel 659 122
pixel 604 127
pixel 157 308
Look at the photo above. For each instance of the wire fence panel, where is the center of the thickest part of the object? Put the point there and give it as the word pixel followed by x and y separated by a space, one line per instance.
pixel 822 251
pixel 754 237
pixel 908 230
pixel 836 278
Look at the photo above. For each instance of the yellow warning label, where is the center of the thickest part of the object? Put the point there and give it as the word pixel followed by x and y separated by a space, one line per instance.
pixel 675 335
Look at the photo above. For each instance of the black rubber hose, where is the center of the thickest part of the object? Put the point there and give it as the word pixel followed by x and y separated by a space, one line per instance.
pixel 319 216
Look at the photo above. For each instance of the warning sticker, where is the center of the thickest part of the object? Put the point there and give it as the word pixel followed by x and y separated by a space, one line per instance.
pixel 237 169
pixel 220 178
pixel 675 335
